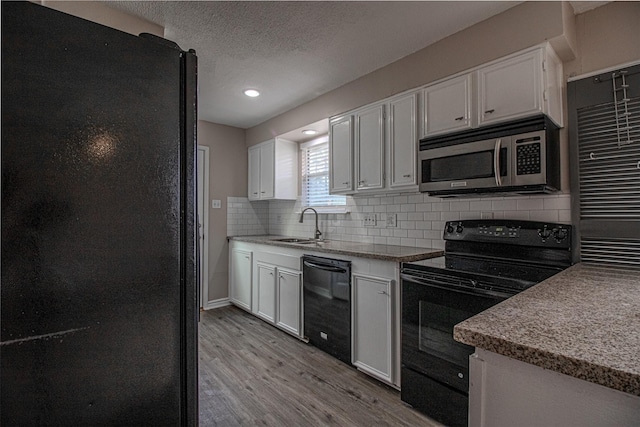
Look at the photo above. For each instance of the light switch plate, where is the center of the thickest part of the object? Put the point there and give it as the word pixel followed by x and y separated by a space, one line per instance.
pixel 392 220
pixel 216 204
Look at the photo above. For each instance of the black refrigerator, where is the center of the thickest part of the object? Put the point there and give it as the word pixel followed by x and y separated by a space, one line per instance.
pixel 99 298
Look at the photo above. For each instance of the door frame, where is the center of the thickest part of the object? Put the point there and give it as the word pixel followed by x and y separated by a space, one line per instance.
pixel 204 256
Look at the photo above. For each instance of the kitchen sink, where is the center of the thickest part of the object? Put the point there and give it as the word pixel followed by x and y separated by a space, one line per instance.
pixel 296 240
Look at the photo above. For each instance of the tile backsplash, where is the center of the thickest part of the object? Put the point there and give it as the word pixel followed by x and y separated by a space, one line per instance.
pixel 419 219
pixel 245 218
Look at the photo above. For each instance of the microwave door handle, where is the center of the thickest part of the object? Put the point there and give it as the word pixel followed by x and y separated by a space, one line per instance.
pixel 496 162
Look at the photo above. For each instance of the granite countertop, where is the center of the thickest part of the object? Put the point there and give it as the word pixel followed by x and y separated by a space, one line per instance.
pixel 363 250
pixel 583 322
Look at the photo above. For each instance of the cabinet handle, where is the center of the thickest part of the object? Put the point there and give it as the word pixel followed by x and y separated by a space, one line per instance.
pixel 489 111
pixel 459 118
pixel 382 292
pixel 346 183
pixel 271 274
pixel 255 193
pixel 247 257
pixel 263 192
pixel 407 176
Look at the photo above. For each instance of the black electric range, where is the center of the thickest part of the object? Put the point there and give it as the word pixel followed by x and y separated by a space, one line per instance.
pixel 485 262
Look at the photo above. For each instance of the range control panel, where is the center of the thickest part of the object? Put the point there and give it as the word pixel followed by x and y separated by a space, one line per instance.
pixel 499 231
pixel 514 232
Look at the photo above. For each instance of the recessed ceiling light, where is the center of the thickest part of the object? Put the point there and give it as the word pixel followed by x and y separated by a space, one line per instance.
pixel 309 132
pixel 251 92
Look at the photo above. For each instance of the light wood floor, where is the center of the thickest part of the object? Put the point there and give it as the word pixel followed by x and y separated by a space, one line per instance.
pixel 254 374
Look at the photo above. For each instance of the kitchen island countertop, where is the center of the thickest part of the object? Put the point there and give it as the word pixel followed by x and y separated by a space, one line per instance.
pixel 363 250
pixel 583 322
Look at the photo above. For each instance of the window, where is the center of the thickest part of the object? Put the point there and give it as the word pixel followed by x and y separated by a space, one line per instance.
pixel 315 178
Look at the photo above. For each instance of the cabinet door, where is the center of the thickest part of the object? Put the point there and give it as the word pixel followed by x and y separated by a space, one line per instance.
pixel 372 325
pixel 240 276
pixel 447 106
pixel 340 155
pixel 289 300
pixel 511 88
pixel 267 170
pixel 254 173
pixel 369 147
pixel 402 141
pixel 266 292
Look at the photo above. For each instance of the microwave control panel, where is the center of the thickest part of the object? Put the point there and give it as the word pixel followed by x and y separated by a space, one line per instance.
pixel 528 159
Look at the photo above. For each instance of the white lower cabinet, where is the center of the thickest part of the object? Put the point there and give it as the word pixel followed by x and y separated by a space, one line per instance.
pixel 266 292
pixel 372 325
pixel 277 287
pixel 289 291
pixel 279 296
pixel 505 392
pixel 266 281
pixel 240 279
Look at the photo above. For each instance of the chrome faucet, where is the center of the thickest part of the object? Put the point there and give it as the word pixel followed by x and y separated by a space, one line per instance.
pixel 318 232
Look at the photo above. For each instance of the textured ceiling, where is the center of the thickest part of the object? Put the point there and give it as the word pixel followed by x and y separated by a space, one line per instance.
pixel 295 51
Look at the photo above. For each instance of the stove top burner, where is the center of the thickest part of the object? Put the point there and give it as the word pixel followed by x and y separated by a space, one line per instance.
pixel 510 255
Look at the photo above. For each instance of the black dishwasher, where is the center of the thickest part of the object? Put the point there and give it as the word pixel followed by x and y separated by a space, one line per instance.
pixel 327 305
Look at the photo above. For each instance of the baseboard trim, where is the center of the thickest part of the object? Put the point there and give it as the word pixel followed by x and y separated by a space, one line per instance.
pixel 222 302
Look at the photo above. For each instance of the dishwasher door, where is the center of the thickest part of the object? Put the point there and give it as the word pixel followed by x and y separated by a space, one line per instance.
pixel 327 305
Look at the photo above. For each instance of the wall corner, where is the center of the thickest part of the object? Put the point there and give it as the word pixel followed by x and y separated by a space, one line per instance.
pixel 565 45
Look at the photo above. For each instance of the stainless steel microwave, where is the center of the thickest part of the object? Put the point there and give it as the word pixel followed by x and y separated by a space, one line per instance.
pixel 519 157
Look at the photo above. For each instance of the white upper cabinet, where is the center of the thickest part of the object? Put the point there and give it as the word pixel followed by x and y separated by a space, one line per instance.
pixel 382 138
pixel 267 170
pixel 446 106
pixel 403 138
pixel 510 88
pixel 254 173
pixel 273 170
pixel 369 145
pixel 519 86
pixel 340 155
pixel 373 148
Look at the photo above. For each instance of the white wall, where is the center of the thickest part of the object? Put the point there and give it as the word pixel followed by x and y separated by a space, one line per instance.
pixel 227 178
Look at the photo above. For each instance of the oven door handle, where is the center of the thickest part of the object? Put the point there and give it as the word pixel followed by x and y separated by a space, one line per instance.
pixel 454 288
pixel 325 267
pixel 496 162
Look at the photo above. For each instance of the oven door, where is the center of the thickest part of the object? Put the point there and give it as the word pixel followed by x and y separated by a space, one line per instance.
pixel 481 164
pixel 432 304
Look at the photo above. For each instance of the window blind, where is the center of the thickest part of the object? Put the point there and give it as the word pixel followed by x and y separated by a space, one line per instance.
pixel 315 178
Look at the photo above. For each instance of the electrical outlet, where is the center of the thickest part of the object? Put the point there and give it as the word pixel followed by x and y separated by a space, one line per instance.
pixel 392 220
pixel 486 215
pixel 216 204
pixel 369 220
